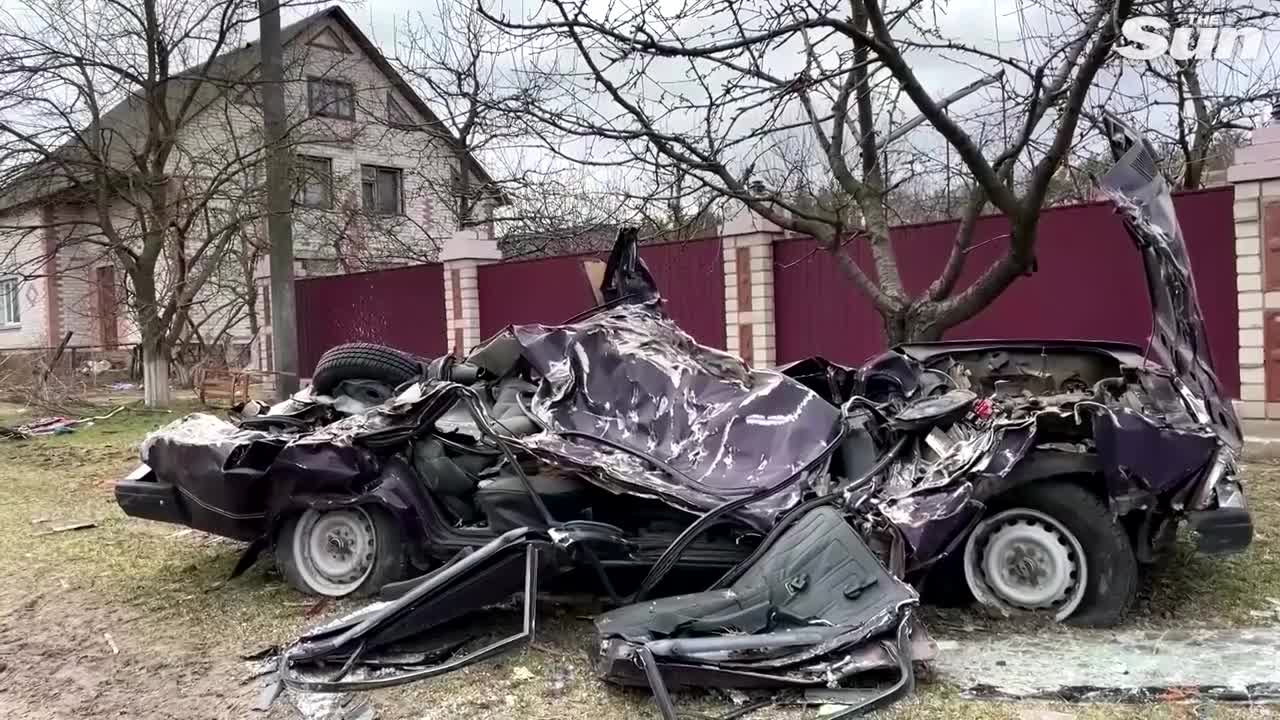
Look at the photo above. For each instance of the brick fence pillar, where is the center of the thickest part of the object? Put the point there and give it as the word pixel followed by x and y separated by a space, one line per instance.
pixel 463 253
pixel 747 243
pixel 1255 173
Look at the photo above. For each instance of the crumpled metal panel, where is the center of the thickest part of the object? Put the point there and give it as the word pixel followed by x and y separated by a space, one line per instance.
pixel 1134 448
pixel 199 455
pixel 197 430
pixel 930 522
pixel 629 377
pixel 793 617
pixel 931 500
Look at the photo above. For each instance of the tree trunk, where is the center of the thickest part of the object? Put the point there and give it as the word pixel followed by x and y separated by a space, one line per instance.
pixel 155 376
pixel 251 302
pixel 914 323
pixel 1193 172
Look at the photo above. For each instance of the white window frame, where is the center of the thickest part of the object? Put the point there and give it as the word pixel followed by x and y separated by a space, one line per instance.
pixel 10 302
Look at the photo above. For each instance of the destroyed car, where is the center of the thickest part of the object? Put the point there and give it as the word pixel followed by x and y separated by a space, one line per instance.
pixel 1033 476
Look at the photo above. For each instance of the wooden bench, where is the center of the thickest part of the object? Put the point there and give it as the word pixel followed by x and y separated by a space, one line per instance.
pixel 229 386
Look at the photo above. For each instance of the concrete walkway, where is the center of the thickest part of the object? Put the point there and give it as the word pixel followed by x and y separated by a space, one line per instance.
pixel 1261 439
pixel 1132 666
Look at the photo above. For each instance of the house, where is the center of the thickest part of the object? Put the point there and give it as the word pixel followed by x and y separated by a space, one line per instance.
pixel 378 183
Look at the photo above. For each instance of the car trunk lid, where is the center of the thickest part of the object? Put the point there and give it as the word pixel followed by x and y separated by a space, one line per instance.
pixel 1178 337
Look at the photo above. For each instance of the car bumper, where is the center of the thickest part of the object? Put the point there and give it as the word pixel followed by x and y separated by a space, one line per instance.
pixel 141 495
pixel 1226 529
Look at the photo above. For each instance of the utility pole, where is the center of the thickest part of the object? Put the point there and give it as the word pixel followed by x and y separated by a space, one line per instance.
pixel 284 329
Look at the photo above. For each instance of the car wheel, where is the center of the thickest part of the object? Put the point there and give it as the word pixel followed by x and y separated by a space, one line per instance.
pixel 363 361
pixel 340 552
pixel 1053 548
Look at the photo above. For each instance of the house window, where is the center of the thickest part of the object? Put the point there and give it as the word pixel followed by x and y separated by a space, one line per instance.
pixel 381 190
pixel 331 98
pixel 10 309
pixel 397 116
pixel 314 182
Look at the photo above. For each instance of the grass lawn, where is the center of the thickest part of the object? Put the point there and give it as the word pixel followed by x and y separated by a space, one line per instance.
pixel 136 619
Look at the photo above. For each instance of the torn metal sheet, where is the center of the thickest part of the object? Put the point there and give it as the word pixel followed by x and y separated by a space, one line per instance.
pixel 330 706
pixel 1137 666
pixel 1135 445
pixel 629 398
pixel 366 644
pixel 800 615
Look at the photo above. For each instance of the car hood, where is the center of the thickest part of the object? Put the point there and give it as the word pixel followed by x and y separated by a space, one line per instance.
pixel 1126 353
pixel 1178 339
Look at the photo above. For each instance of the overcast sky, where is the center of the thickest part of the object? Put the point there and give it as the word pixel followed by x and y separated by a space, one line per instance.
pixel 994 25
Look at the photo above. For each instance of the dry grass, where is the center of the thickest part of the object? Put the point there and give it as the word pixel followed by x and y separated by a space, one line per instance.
pixel 161 571
pixel 1194 588
pixel 173 584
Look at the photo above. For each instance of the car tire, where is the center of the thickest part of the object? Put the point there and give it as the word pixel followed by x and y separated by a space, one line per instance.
pixel 1076 518
pixel 363 361
pixel 343 552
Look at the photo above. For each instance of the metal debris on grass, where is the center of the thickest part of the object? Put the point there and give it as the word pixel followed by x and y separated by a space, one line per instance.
pixel 68 528
pixel 53 425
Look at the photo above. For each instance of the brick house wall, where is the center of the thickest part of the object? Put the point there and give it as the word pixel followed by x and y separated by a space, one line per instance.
pixel 325 50
pixel 26 259
pixel 339 238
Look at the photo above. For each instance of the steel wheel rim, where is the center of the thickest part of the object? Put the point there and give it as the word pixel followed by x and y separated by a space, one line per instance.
pixel 335 549
pixel 1022 560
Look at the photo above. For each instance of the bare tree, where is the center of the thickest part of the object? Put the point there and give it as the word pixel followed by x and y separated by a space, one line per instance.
pixel 135 138
pixel 568 212
pixel 228 302
pixel 108 151
pixel 728 93
pixel 1199 98
pixel 456 59
pixel 477 82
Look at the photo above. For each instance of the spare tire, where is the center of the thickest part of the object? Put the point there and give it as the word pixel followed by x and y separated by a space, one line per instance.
pixel 363 361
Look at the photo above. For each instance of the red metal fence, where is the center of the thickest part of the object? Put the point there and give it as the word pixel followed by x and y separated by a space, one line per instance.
pixel 551 290
pixel 1089 284
pixel 401 307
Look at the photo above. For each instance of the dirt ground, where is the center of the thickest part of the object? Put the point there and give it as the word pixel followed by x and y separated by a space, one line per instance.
pixel 133 619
